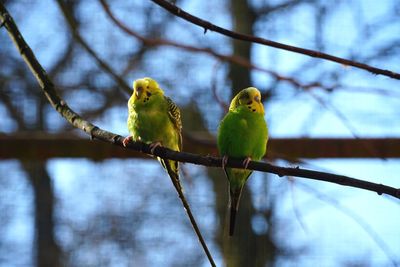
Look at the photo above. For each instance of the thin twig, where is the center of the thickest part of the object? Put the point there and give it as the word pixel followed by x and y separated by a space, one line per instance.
pixel 369 90
pixel 249 38
pixel 355 217
pixel 347 124
pixel 75 32
pixel 345 210
pixel 297 213
pixel 214 86
pixel 235 59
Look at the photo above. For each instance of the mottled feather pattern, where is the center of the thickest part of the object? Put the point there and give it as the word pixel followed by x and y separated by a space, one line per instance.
pixel 175 115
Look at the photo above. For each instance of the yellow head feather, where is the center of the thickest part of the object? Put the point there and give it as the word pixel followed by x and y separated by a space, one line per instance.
pixel 250 98
pixel 144 88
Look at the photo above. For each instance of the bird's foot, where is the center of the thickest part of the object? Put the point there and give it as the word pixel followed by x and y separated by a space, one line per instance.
pixel 126 140
pixel 224 161
pixel 154 145
pixel 246 162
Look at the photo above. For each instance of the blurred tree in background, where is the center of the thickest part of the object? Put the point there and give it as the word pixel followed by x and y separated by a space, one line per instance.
pixel 114 212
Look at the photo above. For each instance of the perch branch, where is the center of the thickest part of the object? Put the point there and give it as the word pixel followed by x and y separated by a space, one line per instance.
pixel 249 38
pixel 95 132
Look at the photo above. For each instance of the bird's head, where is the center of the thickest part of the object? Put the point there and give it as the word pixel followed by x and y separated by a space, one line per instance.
pixel 248 99
pixel 144 89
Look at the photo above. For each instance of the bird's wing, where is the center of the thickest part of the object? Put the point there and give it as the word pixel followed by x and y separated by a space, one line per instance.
pixel 175 116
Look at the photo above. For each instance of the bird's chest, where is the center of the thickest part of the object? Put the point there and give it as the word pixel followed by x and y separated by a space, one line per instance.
pixel 150 118
pixel 247 137
pixel 246 128
pixel 148 124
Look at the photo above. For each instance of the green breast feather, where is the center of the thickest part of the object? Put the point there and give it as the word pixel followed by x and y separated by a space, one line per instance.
pixel 243 134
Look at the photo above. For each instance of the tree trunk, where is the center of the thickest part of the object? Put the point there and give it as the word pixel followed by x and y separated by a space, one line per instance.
pixel 47 250
pixel 245 248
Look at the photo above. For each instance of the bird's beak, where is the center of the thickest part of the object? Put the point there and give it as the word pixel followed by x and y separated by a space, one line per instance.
pixel 257 99
pixel 139 91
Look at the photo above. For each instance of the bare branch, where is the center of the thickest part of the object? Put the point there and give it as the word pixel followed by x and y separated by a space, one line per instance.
pixel 354 216
pixel 235 59
pixel 249 38
pixel 268 9
pixel 210 161
pixel 107 68
pixel 345 122
pixel 65 145
pixel 214 85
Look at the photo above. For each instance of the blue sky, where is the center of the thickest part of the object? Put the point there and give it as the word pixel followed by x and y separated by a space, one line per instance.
pixel 330 235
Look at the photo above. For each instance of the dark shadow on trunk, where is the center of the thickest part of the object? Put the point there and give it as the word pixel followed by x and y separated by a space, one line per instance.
pixel 47 250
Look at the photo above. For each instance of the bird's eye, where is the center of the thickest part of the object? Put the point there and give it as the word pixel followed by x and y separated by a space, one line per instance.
pixel 244 95
pixel 257 98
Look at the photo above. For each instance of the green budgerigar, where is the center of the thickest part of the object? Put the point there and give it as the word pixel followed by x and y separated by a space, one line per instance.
pixel 242 133
pixel 155 119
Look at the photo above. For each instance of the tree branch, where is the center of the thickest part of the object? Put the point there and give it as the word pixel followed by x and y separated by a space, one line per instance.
pixel 249 38
pixel 95 132
pixel 75 32
pixel 235 59
pixel 268 9
pixel 42 146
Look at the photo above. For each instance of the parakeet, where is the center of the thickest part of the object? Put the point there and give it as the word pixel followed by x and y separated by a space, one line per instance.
pixel 242 133
pixel 154 119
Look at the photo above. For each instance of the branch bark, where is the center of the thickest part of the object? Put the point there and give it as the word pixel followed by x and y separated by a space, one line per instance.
pixel 250 38
pixel 61 107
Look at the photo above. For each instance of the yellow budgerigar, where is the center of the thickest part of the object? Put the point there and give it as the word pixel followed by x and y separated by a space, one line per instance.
pixel 155 119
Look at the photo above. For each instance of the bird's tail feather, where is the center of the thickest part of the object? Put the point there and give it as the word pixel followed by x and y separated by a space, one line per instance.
pixel 173 171
pixel 232 220
pixel 235 195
